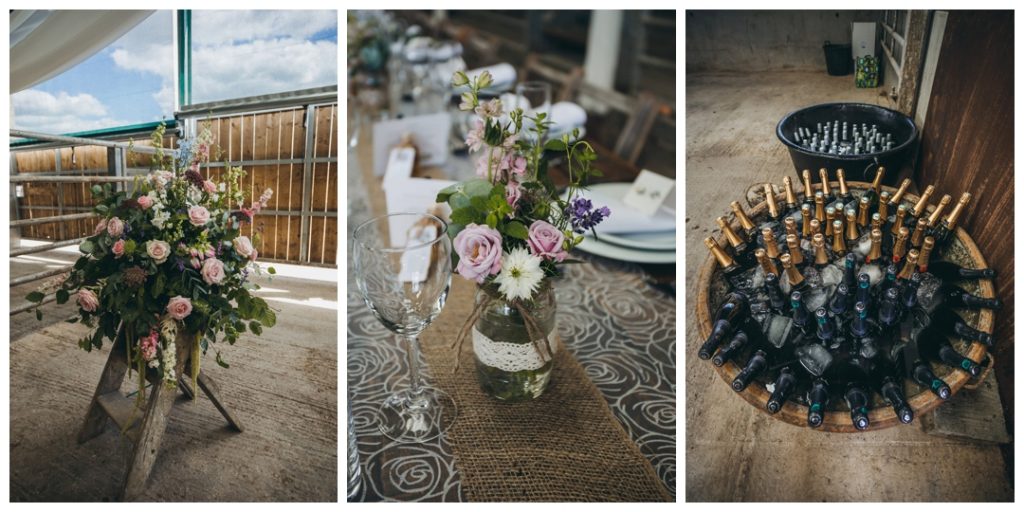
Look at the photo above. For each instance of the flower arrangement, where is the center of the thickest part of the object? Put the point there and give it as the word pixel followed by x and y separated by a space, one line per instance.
pixel 510 227
pixel 511 230
pixel 168 255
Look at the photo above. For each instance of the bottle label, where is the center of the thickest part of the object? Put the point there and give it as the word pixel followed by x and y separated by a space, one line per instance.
pixel 511 357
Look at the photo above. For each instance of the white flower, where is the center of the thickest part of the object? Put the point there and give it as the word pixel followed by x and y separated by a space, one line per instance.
pixel 194 195
pixel 169 360
pixel 520 274
pixel 159 217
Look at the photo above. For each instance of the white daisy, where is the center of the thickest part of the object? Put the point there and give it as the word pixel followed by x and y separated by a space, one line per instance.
pixel 520 274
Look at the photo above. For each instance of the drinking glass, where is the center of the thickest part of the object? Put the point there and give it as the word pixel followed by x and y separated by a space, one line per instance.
pixel 534 98
pixel 403 271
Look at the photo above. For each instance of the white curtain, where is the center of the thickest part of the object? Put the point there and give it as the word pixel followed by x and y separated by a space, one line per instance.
pixel 46 43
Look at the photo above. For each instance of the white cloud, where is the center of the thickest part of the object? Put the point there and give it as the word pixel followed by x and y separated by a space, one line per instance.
pixel 220 27
pixel 60 113
pixel 261 67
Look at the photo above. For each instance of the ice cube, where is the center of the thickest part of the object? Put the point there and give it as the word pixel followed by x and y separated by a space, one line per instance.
pixel 814 358
pixel 778 329
pixel 874 272
pixel 813 277
pixel 863 245
pixel 831 275
pixel 816 298
pixel 926 293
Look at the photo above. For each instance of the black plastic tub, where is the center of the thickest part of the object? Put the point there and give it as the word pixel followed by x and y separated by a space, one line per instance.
pixel 856 167
pixel 838 58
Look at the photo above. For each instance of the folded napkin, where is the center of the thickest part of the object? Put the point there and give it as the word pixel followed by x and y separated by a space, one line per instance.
pixel 623 218
pixel 504 75
pixel 566 116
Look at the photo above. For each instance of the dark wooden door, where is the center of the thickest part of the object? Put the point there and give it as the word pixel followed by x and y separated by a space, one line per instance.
pixel 967 145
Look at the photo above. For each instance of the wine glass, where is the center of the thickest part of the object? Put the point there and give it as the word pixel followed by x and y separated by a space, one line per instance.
pixel 403 271
pixel 534 98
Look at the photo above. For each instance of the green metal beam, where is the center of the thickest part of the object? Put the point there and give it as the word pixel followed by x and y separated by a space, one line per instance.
pixel 184 44
pixel 170 124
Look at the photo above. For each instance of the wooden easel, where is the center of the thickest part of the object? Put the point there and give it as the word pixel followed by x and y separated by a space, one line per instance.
pixel 144 427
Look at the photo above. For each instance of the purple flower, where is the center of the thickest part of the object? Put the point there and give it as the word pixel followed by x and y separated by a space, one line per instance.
pixel 583 215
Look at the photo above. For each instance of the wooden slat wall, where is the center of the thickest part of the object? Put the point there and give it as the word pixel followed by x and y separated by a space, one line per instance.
pixel 967 145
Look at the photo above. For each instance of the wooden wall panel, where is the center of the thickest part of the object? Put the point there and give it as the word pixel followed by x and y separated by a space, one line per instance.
pixel 967 145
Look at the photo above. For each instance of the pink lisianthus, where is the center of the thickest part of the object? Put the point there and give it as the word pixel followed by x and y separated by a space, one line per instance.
pixel 212 271
pixel 115 227
pixel 101 226
pixel 517 166
pixel 179 307
pixel 198 215
pixel 87 300
pixel 209 186
pixel 490 108
pixel 479 250
pixel 148 344
pixel 512 193
pixel 545 241
pixel 118 248
pixel 195 263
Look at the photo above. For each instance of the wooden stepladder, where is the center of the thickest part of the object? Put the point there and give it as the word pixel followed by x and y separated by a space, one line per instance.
pixel 144 426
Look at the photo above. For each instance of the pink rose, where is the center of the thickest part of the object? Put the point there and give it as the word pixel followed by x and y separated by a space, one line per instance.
pixel 479 250
pixel 158 250
pixel 198 215
pixel 115 227
pixel 546 240
pixel 87 300
pixel 101 226
pixel 212 271
pixel 145 202
pixel 118 248
pixel 179 307
pixel 243 246
pixel 512 193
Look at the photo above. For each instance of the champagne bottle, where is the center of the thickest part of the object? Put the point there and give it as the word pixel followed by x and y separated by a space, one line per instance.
pixel 817 398
pixel 740 246
pixel 862 212
pixel 889 309
pixel 749 228
pixel 819 206
pixel 729 350
pixel 767 265
pixel 926 253
pixel 826 330
pixel 728 264
pixel 908 295
pixel 859 326
pixel 890 278
pixel 863 293
pixel 889 383
pixel 826 190
pixel 946 228
pixel 771 288
pixel 790 226
pixel 948 321
pixel 791 204
pixel 755 365
pixel 808 189
pixel 908 358
pixel 795 253
pixel 840 300
pixel 956 297
pixel 851 228
pixel 917 237
pixel 773 207
pixel 850 271
pixel 883 205
pixel 898 196
pixel 876 221
pixel 853 371
pixel 771 246
pixel 933 344
pixel 844 191
pixel 933 219
pixel 899 219
pixel 910 266
pixel 806 217
pixel 953 272
pixel 830 217
pixel 876 189
pixel 785 382
pixel 922 202
pixel 796 279
pixel 899 248
pixel 730 315
pixel 801 317
pixel 838 239
pixel 875 254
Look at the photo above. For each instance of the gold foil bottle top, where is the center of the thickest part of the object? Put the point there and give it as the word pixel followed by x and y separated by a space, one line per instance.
pixel 898 196
pixel 830 216
pixel 794 249
pixel 724 259
pixel 876 246
pixel 900 247
pixel 819 206
pixel 769 197
pixel 910 266
pixel 820 255
pixel 954 215
pixel 808 189
pixel 745 222
pixel 795 277
pixel 843 189
pixel 815 227
pixel 734 239
pixel 770 245
pixel 825 189
pixel 862 213
pixel 926 252
pixel 883 205
pixel 901 214
pixel 805 216
pixel 790 224
pixel 933 219
pixel 766 263
pixel 922 202
pixel 851 226
pixel 838 243
pixel 917 238
pixel 877 184
pixel 790 195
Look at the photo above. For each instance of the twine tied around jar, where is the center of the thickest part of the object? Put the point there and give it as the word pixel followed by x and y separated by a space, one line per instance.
pixel 538 338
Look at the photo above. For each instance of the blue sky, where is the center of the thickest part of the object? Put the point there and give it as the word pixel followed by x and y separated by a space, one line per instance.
pixel 235 54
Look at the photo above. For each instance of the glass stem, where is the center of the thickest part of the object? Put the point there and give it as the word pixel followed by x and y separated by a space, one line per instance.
pixel 412 352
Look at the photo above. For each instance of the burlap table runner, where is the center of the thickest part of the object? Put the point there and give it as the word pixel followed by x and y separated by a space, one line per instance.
pixel 565 446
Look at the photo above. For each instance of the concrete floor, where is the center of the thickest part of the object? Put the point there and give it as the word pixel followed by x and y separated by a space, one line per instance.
pixel 734 452
pixel 282 385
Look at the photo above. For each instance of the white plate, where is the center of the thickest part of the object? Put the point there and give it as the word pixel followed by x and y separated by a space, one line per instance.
pixel 615 252
pixel 625 220
pixel 654 241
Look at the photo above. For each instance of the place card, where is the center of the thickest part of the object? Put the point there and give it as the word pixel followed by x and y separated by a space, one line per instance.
pixel 649 192
pixel 428 133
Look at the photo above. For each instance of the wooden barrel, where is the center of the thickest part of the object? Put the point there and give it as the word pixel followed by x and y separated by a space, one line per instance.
pixel 880 416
